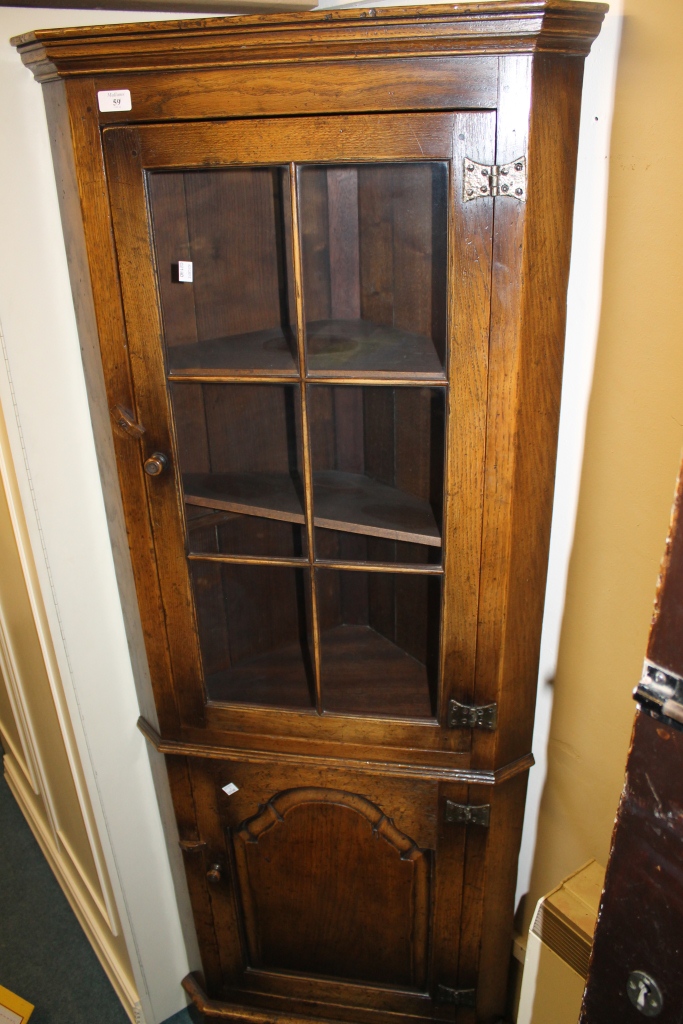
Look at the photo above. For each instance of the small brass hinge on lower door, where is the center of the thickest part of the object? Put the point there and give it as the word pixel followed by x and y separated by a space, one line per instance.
pixel 472 716
pixel 456 996
pixel 468 814
pixel 481 180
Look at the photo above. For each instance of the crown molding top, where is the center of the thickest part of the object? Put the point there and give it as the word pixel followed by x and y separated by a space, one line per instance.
pixel 501 27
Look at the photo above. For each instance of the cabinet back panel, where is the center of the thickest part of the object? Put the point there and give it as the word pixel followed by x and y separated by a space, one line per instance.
pixel 335 545
pixel 395 435
pixel 224 428
pixel 394 619
pixel 374 245
pixel 172 243
pixel 234 228
pixel 254 630
pixel 239 454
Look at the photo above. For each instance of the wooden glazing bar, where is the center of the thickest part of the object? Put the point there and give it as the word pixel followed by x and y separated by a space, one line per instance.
pixel 387 380
pixel 294 563
pixel 297 563
pixel 231 377
pixel 380 377
pixel 396 567
pixel 308 469
pixel 448 469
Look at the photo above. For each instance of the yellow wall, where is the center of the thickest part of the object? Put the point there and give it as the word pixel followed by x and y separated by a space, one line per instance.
pixel 633 445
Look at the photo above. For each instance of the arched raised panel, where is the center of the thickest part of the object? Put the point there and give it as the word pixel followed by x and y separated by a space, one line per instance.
pixel 329 886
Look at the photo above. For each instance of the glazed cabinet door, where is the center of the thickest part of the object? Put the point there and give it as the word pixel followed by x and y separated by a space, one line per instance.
pixel 328 886
pixel 307 311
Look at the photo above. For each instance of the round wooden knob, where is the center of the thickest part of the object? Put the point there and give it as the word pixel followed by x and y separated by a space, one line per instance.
pixel 214 874
pixel 156 464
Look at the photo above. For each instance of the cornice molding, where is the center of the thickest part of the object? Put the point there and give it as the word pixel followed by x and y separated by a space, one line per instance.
pixel 504 27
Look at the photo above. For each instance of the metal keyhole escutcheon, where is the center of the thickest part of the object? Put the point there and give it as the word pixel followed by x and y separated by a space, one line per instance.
pixel 644 993
pixel 156 464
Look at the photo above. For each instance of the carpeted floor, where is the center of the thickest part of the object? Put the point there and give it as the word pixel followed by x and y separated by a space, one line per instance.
pixel 44 955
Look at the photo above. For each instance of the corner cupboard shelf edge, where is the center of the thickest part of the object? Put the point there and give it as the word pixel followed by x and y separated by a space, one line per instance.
pixel 324 381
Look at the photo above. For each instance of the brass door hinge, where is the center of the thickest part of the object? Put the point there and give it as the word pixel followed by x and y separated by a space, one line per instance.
pixel 472 716
pixel 480 180
pixel 468 814
pixel 456 996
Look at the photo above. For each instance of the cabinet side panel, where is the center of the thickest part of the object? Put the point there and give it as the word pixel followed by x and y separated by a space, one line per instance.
pixel 201 848
pixel 540 100
pixel 499 878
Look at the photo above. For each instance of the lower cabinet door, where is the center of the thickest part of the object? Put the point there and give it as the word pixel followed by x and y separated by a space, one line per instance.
pixel 327 892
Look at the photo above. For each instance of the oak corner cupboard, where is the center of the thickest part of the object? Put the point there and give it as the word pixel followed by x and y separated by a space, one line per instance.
pixel 320 265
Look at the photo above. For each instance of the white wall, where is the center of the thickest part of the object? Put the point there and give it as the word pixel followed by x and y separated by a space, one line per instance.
pixel 43 393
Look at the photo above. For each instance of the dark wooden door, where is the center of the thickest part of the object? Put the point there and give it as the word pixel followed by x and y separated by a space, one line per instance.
pixel 328 886
pixel 635 970
pixel 304 300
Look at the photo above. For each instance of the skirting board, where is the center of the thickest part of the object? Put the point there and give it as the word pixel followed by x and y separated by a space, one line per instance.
pixel 88 915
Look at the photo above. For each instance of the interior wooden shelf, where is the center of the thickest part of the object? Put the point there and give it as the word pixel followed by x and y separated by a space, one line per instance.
pixel 276 679
pixel 335 348
pixel 362 673
pixel 349 502
pixel 269 351
pixel 341 347
pixel 354 503
pixel 269 495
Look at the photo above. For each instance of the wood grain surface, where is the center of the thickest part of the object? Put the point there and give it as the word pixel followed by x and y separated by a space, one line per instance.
pixel 358 398
pixel 639 922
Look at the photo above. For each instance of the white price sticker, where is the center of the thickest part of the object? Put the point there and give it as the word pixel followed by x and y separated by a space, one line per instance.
pixel 230 788
pixel 185 271
pixel 114 99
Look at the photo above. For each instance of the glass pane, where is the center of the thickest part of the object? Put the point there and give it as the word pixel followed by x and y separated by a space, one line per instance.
pixel 239 449
pixel 230 533
pixel 222 243
pixel 374 241
pixel 378 472
pixel 379 642
pixel 254 632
